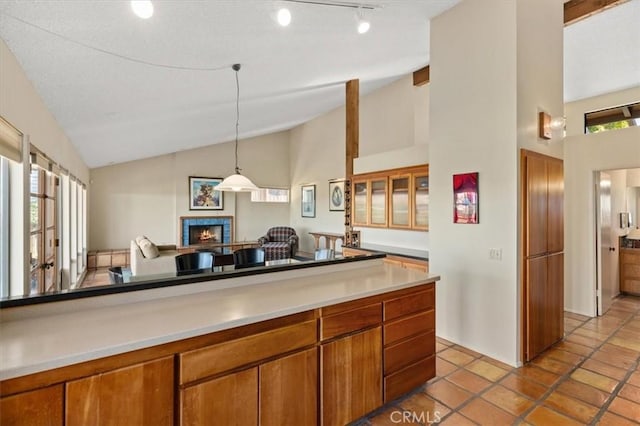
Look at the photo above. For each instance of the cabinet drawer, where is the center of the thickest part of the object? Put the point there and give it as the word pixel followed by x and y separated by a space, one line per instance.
pixel 403 381
pixel 631 270
pixel 409 351
pixel 350 321
pixel 225 356
pixel 409 304
pixel 409 326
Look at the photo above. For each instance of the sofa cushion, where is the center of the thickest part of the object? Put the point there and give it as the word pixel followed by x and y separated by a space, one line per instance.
pixel 149 250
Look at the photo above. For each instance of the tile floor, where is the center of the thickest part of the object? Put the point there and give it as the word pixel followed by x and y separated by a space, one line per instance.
pixel 592 377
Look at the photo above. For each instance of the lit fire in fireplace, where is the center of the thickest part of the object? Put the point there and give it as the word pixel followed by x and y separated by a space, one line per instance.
pixel 207 235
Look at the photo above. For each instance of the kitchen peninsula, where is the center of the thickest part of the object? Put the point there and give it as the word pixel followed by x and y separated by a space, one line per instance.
pixel 322 345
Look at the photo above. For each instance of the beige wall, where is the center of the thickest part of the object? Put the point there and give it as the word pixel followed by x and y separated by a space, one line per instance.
pixel 149 196
pixel 21 105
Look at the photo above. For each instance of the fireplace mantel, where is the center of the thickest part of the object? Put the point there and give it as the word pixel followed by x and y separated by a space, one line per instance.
pixel 187 221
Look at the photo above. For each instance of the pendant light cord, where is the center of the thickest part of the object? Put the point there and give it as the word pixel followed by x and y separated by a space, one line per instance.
pixel 236 67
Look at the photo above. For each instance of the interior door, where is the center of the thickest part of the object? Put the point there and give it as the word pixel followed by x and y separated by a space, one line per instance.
pixel 604 236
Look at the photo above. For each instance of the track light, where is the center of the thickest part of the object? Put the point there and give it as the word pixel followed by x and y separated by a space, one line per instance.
pixel 363 24
pixel 142 8
pixel 284 17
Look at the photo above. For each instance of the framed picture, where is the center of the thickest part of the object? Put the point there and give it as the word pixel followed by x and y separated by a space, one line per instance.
pixel 465 198
pixel 308 205
pixel 336 196
pixel 202 194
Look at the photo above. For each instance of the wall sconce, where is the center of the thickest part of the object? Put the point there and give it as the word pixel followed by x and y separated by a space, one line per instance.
pixel 546 125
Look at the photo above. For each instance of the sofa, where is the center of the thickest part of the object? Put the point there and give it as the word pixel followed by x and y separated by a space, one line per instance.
pixel 149 259
pixel 280 242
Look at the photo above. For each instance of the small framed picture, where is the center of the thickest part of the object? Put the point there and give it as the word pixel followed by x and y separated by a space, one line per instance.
pixel 465 198
pixel 202 194
pixel 336 196
pixel 308 198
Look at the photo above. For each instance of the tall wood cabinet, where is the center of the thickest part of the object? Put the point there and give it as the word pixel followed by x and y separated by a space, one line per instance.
pixel 630 270
pixel 543 245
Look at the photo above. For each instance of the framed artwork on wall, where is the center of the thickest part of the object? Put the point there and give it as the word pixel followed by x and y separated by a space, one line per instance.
pixel 336 195
pixel 308 201
pixel 202 194
pixel 465 198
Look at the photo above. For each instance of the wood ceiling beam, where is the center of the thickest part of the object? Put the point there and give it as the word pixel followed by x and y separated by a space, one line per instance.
pixel 575 10
pixel 421 76
pixel 352 138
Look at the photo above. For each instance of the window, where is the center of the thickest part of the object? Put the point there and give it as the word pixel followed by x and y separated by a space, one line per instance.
pixel 4 227
pixel 612 118
pixel 270 195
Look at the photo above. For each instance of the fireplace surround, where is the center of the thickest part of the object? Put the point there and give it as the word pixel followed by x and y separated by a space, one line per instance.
pixel 196 230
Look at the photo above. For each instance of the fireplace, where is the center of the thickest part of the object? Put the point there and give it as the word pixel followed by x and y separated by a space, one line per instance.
pixel 197 230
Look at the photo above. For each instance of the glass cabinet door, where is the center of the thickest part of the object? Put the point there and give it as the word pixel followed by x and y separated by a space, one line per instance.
pixel 379 202
pixel 359 208
pixel 399 203
pixel 421 202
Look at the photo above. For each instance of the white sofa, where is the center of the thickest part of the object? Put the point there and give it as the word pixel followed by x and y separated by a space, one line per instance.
pixel 163 263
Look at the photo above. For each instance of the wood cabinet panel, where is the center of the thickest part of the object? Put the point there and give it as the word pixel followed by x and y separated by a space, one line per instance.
pixel 409 304
pixel 350 321
pixel 409 351
pixel 555 205
pixel 289 390
pixel 630 270
pixel 211 360
pixel 409 326
pixel 351 371
pixel 403 381
pixel 228 400
pixel 537 205
pixel 400 205
pixel 555 298
pixel 138 395
pixel 41 407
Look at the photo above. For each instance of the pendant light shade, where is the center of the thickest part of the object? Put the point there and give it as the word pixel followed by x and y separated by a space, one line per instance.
pixel 236 182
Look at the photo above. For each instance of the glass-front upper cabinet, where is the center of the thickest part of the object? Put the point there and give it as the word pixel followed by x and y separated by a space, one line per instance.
pixel 378 202
pixel 360 196
pixel 400 201
pixel 420 201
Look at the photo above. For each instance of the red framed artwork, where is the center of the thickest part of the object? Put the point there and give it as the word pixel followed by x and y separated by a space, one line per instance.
pixel 465 198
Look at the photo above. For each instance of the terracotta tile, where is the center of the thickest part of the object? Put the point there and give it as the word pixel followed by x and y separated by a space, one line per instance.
pixel 393 416
pixel 591 333
pixel 541 376
pixel 594 379
pixel 610 419
pixel 574 348
pixel 443 341
pixel 553 365
pixel 457 420
pixel 584 341
pixel 605 369
pixel 630 392
pixel 571 407
pixel 524 386
pixel 456 357
pixel 583 392
pixel 620 350
pixel 444 367
pixel 634 379
pixel 581 318
pixel 541 416
pixel 626 343
pixel 627 334
pixel 467 351
pixel 449 394
pixel 484 413
pixel 571 323
pixel 626 408
pixel 617 360
pixel 497 363
pixel 440 347
pixel 423 408
pixel 486 370
pixel 468 381
pixel 564 356
pixel 508 400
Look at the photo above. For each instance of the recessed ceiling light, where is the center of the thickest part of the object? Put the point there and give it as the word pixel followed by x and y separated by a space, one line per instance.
pixel 284 17
pixel 363 26
pixel 142 8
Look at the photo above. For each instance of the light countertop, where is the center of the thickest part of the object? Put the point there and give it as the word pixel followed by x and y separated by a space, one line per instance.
pixel 30 345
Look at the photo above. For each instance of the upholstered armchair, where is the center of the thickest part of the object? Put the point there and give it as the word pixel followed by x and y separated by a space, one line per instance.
pixel 281 242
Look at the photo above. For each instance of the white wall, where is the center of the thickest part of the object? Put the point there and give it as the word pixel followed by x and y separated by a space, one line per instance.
pixel 481 112
pixel 149 196
pixel 585 154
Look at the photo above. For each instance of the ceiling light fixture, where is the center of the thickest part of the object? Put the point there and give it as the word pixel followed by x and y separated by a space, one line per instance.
pixel 236 182
pixel 284 17
pixel 142 8
pixel 363 24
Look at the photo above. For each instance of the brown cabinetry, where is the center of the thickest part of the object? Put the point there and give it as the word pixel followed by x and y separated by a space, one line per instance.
pixel 397 198
pixel 41 407
pixel 630 270
pixel 392 259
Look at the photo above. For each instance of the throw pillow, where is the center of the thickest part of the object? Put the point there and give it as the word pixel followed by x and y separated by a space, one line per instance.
pixel 149 250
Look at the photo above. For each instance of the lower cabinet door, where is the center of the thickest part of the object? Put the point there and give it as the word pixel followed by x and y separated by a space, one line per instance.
pixel 351 369
pixel 289 390
pixel 141 394
pixel 42 407
pixel 227 400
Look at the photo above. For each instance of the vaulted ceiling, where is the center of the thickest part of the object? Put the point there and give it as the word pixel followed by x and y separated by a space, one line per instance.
pixel 115 84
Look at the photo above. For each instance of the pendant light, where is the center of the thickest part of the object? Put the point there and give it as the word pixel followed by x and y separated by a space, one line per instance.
pixel 237 182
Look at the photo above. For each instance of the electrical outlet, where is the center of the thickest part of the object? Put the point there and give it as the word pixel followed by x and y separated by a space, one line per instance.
pixel 495 254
